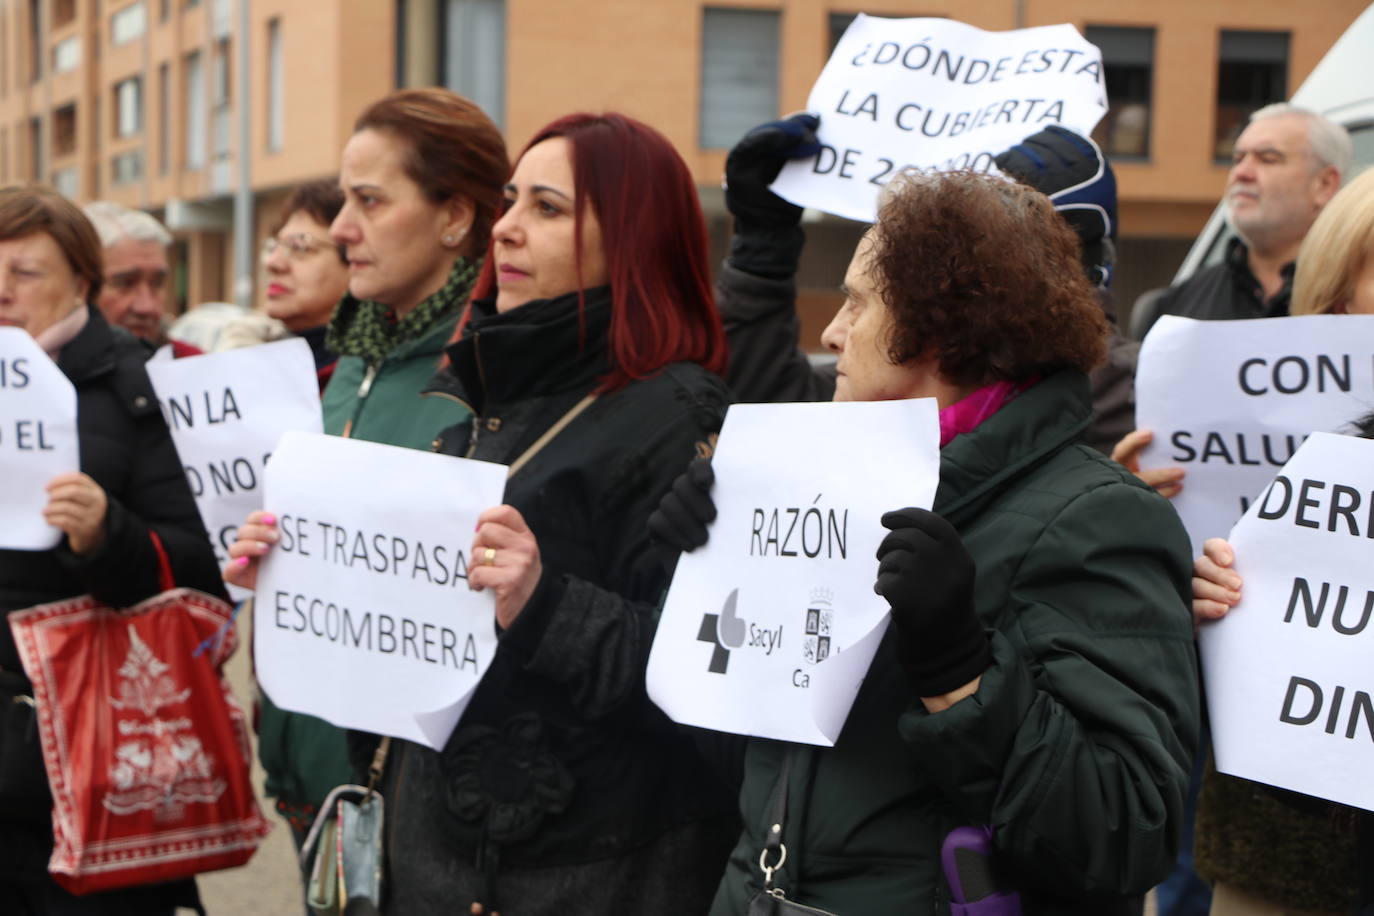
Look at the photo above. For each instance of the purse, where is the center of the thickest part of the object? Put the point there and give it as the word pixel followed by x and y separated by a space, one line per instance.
pixel 342 854
pixel 145 748
pixel 966 857
pixel 772 901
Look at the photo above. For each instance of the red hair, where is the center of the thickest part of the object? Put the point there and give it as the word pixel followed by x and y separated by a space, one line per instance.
pixel 662 305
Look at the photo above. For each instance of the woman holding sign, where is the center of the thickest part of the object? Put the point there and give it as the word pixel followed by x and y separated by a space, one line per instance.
pixel 1037 680
pixel 130 486
pixel 1261 845
pixel 590 357
pixel 420 181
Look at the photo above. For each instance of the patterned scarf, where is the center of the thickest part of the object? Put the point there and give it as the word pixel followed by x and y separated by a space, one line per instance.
pixel 369 330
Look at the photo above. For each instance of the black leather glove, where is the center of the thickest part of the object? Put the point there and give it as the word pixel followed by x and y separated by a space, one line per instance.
pixel 926 575
pixel 768 238
pixel 679 523
pixel 1071 171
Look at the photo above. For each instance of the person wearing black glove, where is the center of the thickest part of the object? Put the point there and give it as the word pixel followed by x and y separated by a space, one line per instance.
pixel 1037 677
pixel 679 523
pixel 768 238
pixel 926 574
pixel 1071 171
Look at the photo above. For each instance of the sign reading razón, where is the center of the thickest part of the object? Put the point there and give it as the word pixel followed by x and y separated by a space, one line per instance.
pixel 363 615
pixel 769 629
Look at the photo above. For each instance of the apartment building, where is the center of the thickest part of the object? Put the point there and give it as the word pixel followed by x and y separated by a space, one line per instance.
pixel 139 100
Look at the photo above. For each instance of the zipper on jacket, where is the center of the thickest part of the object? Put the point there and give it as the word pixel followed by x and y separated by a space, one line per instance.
pixel 363 389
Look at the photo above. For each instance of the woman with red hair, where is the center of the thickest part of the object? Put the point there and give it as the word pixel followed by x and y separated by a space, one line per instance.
pixel 591 359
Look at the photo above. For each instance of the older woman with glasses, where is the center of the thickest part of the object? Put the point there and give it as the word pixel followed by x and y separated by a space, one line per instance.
pixel 307 273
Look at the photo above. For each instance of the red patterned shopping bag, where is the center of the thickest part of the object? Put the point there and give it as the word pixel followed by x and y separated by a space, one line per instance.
pixel 145 746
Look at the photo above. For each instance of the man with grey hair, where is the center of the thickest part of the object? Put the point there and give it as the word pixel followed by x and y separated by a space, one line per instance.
pixel 1287 163
pixel 134 294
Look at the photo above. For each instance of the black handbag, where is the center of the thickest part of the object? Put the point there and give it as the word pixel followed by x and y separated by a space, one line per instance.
pixel 772 901
pixel 24 792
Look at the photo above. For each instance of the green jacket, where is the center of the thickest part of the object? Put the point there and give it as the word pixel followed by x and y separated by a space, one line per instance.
pixel 1077 745
pixel 306 757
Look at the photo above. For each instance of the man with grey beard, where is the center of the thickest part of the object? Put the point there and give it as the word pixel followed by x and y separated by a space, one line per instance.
pixel 1287 163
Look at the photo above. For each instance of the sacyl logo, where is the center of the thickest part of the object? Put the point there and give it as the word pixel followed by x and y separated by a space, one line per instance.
pixel 725 631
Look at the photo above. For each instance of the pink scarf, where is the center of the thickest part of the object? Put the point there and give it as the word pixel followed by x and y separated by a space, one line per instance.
pixel 964 415
pixel 56 336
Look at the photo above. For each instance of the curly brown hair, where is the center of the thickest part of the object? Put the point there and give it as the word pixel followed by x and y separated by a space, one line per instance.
pixel 985 272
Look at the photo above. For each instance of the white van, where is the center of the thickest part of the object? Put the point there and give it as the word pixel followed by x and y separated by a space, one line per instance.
pixel 1342 88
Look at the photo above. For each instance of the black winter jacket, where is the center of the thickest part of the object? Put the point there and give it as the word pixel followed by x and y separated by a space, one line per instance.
pixel 127 449
pixel 1076 745
pixel 1222 292
pixel 617 813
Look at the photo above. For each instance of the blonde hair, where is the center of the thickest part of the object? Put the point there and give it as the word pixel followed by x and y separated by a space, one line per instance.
pixel 1335 250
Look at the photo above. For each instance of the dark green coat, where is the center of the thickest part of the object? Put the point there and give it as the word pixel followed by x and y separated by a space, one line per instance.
pixel 1077 745
pixel 306 757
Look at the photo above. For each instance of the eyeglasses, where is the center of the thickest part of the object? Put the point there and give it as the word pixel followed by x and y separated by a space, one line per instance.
pixel 297 247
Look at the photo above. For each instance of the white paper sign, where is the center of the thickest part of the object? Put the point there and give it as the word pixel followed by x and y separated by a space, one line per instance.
pixel 37 439
pixel 1231 401
pixel 363 615
pixel 769 629
pixel 1289 684
pixel 226 412
pixel 936 94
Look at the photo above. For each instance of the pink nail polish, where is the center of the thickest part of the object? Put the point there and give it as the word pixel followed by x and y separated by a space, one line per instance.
pixel 269 519
pixel 241 562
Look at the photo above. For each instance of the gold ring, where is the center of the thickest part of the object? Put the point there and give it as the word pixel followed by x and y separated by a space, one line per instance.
pixel 489 558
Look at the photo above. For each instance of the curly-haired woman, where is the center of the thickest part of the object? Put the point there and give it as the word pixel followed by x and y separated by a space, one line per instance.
pixel 1038 676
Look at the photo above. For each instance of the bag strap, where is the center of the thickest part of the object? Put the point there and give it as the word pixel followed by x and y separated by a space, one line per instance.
pixel 378 766
pixel 777 819
pixel 549 434
pixel 164 566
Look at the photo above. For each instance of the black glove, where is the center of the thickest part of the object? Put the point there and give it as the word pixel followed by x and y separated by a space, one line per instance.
pixel 768 238
pixel 1071 171
pixel 926 575
pixel 679 523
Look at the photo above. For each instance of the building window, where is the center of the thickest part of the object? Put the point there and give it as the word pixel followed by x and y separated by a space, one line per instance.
pixel 164 118
pixel 35 149
pixel 1252 71
pixel 66 54
pixel 739 73
pixel 1128 56
pixel 473 53
pixel 195 112
pixel 35 40
pixel 219 102
pixel 126 168
pixel 64 131
pixel 164 9
pixel 276 102
pixel 129 24
pixel 838 23
pixel 66 183
pixel 4 52
pixel 63 12
pixel 128 106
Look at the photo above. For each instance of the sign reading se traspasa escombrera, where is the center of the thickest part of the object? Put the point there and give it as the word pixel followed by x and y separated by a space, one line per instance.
pixel 936 94
pixel 363 615
pixel 769 629
pixel 1231 401
pixel 1289 685
pixel 37 439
